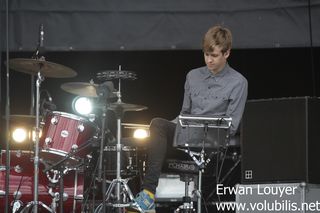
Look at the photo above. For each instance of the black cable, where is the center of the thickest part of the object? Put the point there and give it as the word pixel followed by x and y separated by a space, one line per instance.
pixel 86 193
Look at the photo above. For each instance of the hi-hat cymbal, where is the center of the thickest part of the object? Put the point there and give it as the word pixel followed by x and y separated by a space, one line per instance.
pixel 48 69
pixel 23 118
pixel 89 89
pixel 120 106
pixel 81 88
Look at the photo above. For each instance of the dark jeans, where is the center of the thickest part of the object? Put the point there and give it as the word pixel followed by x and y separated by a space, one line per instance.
pixel 161 135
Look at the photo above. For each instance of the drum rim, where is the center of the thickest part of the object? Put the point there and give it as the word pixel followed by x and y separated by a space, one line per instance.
pixel 70 115
pixel 75 117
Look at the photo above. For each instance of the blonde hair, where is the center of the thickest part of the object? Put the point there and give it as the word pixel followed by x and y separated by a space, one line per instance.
pixel 217 36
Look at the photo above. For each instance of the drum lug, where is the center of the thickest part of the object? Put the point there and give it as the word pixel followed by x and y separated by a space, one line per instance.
pixel 74 147
pixel 17 195
pixel 80 128
pixel 54 120
pixel 18 169
pixel 48 141
pixel 18 153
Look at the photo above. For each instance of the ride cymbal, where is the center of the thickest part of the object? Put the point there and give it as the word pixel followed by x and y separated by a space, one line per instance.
pixel 47 69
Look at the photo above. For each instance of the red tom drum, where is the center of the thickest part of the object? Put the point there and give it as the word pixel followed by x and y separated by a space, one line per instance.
pixel 64 134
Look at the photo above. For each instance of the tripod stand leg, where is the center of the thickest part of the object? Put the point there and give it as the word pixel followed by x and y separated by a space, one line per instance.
pixel 34 205
pixel 126 187
pixel 108 193
pixel 199 190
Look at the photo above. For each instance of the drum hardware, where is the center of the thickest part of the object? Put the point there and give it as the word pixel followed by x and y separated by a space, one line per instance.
pixel 21 184
pixel 66 138
pixel 68 160
pixel 118 185
pixel 41 68
pixel 189 122
pixel 16 206
pixel 187 206
pixel 59 170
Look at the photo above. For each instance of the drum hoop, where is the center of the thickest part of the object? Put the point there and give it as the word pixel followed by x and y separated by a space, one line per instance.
pixel 69 115
pixel 75 117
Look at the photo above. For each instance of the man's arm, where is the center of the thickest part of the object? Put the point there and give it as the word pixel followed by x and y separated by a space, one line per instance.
pixel 237 103
pixel 186 106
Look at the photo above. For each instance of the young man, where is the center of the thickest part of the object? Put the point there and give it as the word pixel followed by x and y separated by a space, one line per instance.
pixel 215 89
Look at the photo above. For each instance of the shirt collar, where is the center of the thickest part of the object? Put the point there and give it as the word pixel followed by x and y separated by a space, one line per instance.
pixel 220 74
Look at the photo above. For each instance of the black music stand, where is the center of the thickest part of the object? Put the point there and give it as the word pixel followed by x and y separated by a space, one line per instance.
pixel 201 132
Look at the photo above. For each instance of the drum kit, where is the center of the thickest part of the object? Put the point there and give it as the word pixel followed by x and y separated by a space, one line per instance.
pixel 63 145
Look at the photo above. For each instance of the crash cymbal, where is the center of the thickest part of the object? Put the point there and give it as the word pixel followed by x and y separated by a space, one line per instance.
pixel 23 118
pixel 48 69
pixel 81 88
pixel 120 106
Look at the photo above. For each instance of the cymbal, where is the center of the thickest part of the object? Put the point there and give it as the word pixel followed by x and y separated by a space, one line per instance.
pixel 23 118
pixel 48 69
pixel 116 74
pixel 87 89
pixel 81 88
pixel 126 107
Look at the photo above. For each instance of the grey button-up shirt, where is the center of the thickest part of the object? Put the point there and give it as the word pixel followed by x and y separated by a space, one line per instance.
pixel 224 93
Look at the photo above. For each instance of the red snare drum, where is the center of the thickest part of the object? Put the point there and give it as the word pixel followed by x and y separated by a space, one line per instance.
pixel 64 133
pixel 21 183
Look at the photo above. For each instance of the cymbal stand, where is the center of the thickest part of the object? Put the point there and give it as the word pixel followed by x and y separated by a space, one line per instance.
pixel 120 183
pixel 35 201
pixel 103 95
